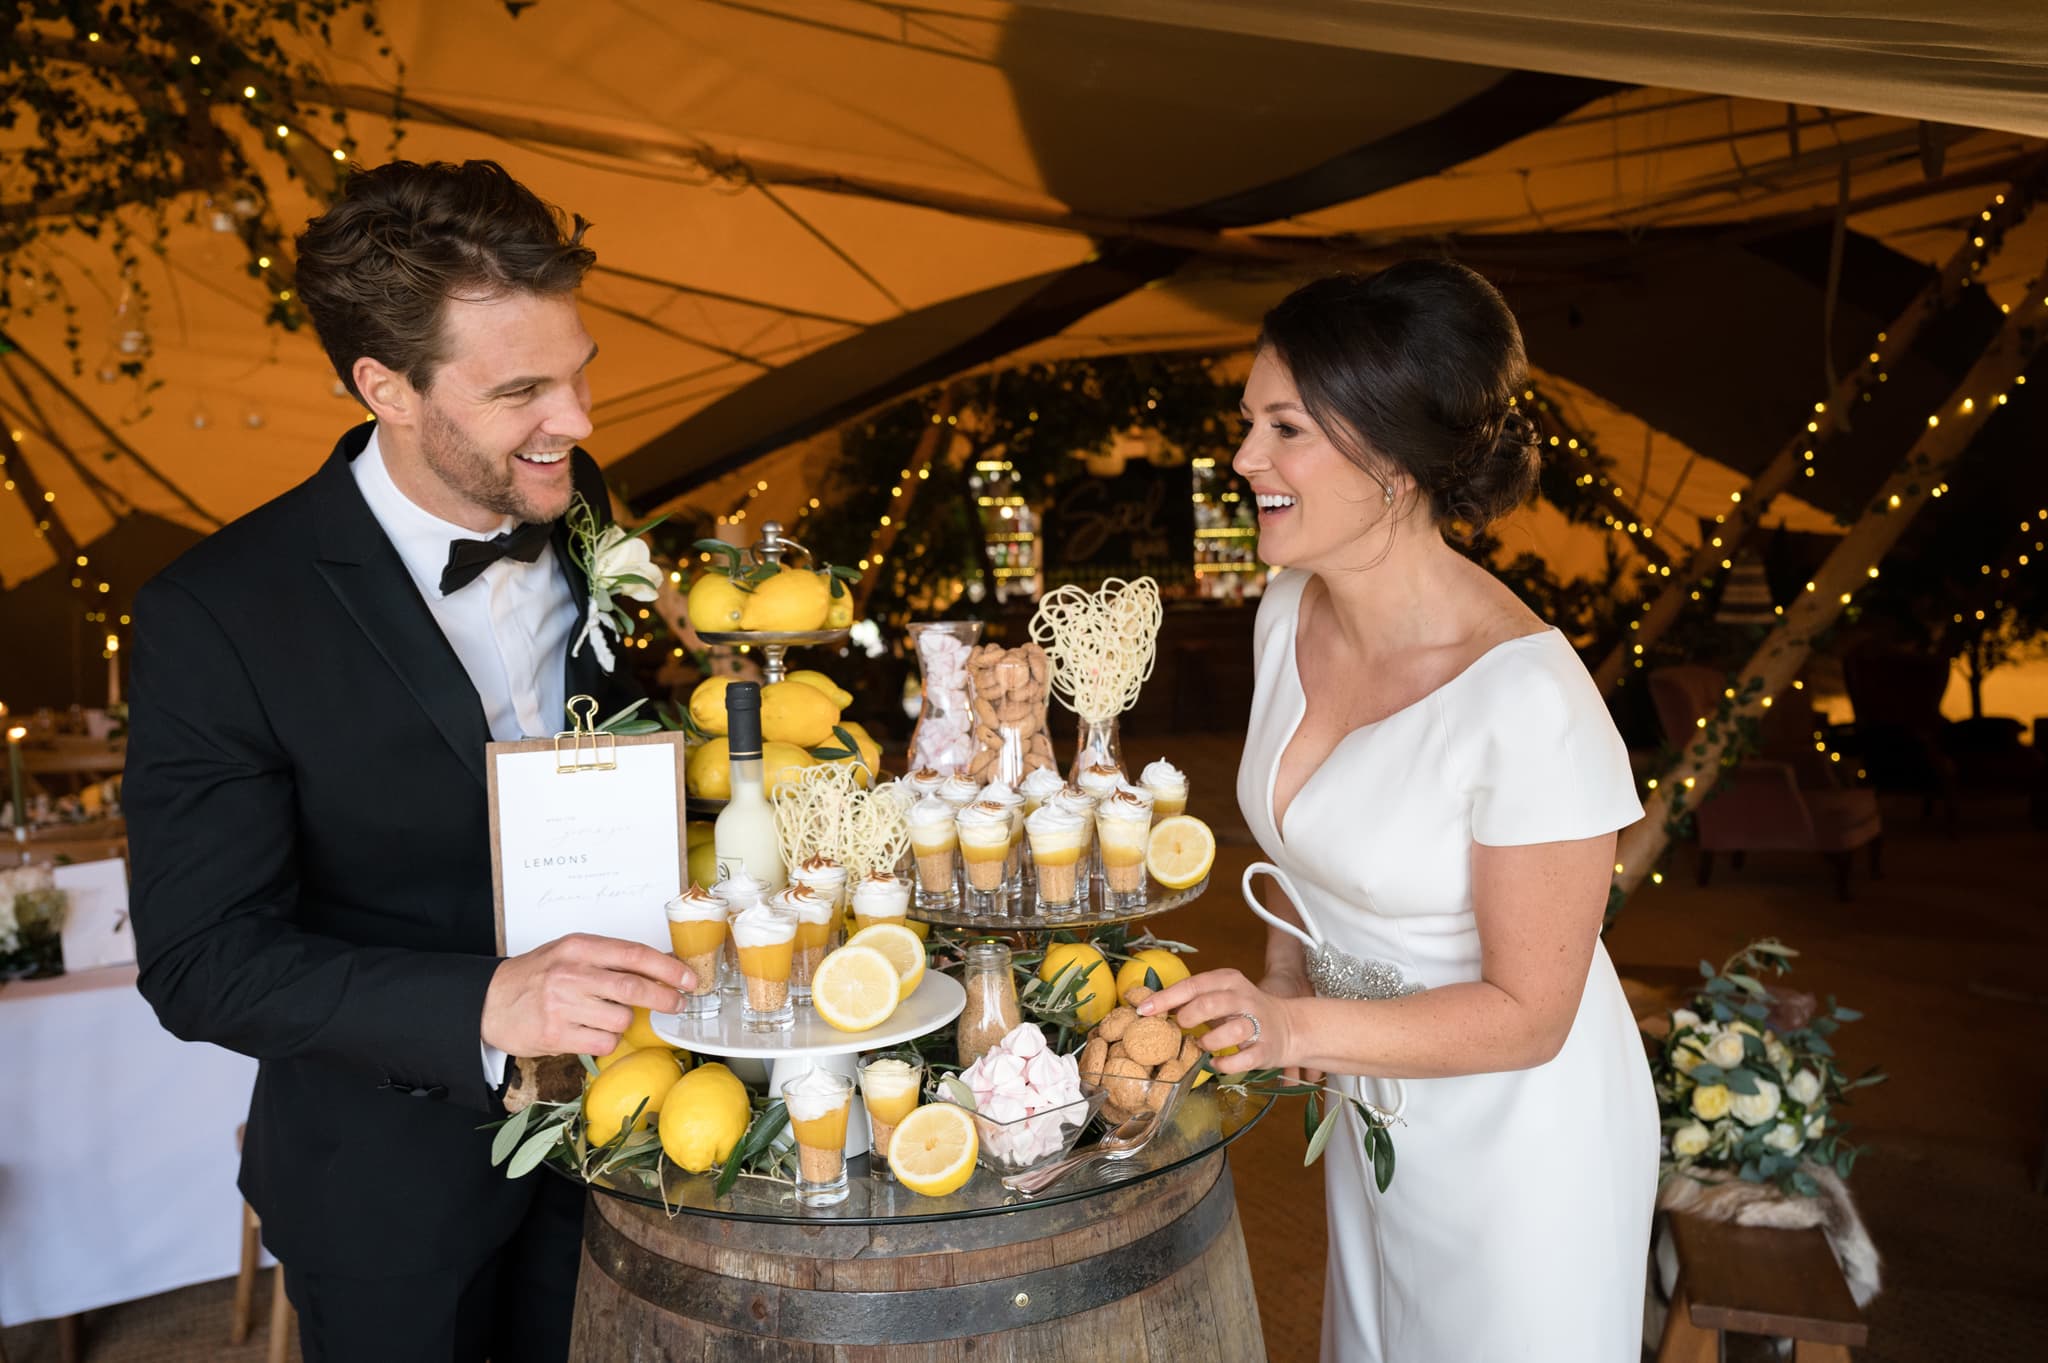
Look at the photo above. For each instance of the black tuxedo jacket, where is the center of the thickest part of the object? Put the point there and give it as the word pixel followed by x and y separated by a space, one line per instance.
pixel 310 846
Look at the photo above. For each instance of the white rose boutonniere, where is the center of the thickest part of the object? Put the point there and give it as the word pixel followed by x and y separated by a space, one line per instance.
pixel 618 565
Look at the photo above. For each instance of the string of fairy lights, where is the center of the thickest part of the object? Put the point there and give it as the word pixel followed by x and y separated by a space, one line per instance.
pixel 1963 407
pixel 43 511
pixel 1565 437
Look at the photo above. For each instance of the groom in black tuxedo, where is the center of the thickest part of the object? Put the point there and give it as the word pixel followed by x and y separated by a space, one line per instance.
pixel 314 687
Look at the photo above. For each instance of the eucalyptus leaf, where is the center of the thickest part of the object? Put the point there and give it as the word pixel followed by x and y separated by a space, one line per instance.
pixel 1740 1080
pixel 1803 1183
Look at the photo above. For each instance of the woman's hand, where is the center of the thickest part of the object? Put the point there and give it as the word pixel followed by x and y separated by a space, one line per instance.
pixel 1292 984
pixel 1232 1002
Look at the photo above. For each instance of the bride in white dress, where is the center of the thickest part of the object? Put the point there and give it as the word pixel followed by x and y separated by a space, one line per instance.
pixel 1433 770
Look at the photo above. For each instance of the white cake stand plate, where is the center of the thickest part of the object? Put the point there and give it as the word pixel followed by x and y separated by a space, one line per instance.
pixel 811 1043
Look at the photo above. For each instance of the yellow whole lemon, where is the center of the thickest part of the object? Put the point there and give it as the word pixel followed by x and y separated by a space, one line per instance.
pixel 704 1116
pixel 1096 994
pixel 708 773
pixel 793 599
pixel 839 695
pixel 792 712
pixel 839 607
pixel 715 604
pixel 619 1052
pixel 707 704
pixel 644 1077
pixel 781 762
pixel 698 832
pixel 704 864
pixel 1161 962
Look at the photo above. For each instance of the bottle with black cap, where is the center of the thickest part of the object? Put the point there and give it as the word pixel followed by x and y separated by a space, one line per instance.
pixel 744 835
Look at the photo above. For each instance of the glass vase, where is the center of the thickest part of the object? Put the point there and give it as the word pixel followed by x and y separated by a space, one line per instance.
pixel 943 740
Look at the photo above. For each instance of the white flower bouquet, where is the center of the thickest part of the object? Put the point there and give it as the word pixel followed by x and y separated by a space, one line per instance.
pixel 32 912
pixel 1747 1084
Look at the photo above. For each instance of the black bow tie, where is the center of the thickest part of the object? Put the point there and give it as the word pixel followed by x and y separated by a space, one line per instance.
pixel 468 558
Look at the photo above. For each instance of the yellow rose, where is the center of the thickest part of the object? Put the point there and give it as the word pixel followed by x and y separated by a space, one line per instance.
pixel 1689 1140
pixel 1685 1057
pixel 1710 1102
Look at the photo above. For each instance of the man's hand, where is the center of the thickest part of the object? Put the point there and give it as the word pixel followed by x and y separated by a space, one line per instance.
pixel 576 995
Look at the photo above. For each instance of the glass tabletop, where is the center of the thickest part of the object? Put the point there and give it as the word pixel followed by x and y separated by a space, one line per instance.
pixel 1208 1119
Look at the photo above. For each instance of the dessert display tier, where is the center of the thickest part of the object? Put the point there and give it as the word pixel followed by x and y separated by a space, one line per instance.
pixel 774 644
pixel 1207 1120
pixel 1095 913
pixel 937 1000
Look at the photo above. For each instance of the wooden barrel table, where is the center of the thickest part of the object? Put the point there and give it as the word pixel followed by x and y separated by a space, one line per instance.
pixel 1150 1268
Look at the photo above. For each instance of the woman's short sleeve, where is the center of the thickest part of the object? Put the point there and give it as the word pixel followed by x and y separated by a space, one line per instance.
pixel 1549 765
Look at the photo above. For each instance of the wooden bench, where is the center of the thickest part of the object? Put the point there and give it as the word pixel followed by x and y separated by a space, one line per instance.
pixel 1758 1281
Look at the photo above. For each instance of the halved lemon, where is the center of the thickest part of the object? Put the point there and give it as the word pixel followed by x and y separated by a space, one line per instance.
pixel 1181 851
pixel 855 988
pixel 933 1149
pixel 901 946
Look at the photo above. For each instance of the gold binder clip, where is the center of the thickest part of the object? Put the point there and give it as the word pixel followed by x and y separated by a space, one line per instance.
pixel 583 746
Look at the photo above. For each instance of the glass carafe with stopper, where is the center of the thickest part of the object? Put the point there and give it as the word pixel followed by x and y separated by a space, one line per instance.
pixel 992 1012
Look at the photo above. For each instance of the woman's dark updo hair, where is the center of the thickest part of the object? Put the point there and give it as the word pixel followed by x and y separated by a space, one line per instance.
pixel 1419 362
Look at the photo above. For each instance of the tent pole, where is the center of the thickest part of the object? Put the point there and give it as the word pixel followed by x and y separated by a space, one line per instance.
pixel 1916 481
pixel 1746 512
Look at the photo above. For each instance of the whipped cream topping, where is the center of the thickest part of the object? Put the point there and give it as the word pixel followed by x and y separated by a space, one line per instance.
pixel 985 822
pixel 1099 780
pixel 1041 785
pixel 1163 778
pixel 925 780
pixel 930 812
pixel 822 874
pixel 804 902
pixel 696 905
pixel 999 792
pixel 763 926
pixel 1051 823
pixel 881 896
pixel 814 1094
pixel 959 791
pixel 739 890
pixel 1074 800
pixel 886 1078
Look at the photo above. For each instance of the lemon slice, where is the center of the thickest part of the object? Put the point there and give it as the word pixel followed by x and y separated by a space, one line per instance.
pixel 933 1149
pixel 901 946
pixel 1181 852
pixel 854 988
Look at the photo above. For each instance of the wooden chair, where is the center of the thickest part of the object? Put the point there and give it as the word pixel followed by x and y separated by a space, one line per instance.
pixel 283 1319
pixel 1765 803
pixel 1759 1281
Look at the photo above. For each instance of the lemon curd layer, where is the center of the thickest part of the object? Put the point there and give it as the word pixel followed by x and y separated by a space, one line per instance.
pixel 696 937
pixel 827 1132
pixel 771 962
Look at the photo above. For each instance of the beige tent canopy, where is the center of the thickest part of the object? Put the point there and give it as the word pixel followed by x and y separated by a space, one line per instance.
pixel 806 209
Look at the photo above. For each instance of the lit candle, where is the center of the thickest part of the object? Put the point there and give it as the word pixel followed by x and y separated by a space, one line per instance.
pixel 15 777
pixel 113 670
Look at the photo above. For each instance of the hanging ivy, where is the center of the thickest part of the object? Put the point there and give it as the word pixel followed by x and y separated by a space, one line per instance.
pixel 130 117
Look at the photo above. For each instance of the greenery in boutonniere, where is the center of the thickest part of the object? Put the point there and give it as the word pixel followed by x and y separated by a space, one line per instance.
pixel 617 564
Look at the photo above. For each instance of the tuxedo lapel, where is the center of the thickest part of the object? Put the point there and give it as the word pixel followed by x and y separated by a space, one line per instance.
pixel 367 576
pixel 582 674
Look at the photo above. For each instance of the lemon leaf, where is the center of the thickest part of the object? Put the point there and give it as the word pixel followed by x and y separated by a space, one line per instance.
pixel 533 1152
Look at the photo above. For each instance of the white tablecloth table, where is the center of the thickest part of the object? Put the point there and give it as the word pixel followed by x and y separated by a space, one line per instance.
pixel 117 1149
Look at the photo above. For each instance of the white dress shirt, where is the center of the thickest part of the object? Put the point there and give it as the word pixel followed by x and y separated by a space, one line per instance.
pixel 510 628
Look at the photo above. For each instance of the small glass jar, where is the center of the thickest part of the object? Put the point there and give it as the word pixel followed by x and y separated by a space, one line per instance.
pixel 992 1012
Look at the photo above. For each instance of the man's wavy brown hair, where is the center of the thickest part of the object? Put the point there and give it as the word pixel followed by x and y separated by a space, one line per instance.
pixel 375 269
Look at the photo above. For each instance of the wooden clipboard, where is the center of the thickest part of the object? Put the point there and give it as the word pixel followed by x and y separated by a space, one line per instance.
pixel 586 835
